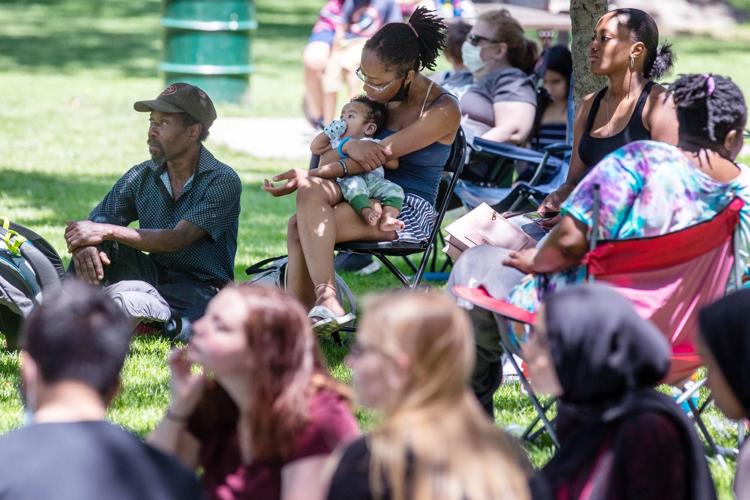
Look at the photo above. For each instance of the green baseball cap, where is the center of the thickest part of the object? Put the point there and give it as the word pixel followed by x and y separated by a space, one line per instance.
pixel 182 98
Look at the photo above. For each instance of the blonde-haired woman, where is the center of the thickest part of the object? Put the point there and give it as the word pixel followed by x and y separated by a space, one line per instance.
pixel 413 355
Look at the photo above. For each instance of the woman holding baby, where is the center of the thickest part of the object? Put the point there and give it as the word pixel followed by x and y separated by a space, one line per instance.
pixel 420 128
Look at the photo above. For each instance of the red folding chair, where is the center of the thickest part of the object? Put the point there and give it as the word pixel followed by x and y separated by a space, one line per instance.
pixel 668 279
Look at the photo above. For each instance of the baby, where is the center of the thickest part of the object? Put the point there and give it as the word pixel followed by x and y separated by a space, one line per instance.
pixel 361 118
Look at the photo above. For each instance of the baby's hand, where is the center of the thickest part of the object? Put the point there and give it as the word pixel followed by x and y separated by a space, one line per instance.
pixel 335 129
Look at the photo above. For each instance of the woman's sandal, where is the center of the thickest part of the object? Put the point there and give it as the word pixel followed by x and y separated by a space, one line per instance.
pixel 328 323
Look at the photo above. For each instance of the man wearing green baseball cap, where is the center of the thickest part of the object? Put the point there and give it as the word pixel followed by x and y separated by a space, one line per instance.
pixel 187 206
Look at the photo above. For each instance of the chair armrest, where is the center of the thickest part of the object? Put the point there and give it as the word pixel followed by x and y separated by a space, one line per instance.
pixel 479 297
pixel 506 150
pixel 559 147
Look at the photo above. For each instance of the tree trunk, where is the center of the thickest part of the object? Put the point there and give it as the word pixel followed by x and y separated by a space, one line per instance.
pixel 583 16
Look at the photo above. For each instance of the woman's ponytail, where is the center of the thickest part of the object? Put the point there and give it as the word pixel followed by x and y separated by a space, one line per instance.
pixel 430 31
pixel 660 64
pixel 414 45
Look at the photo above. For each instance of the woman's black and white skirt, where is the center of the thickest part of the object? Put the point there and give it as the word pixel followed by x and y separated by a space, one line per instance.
pixel 418 216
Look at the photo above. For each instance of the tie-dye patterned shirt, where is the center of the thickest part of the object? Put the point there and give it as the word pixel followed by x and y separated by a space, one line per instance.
pixel 647 188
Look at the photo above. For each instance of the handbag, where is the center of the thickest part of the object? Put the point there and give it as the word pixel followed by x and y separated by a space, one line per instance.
pixel 485 226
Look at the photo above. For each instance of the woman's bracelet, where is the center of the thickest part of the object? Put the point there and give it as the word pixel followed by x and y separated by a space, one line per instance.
pixel 176 418
pixel 340 148
pixel 342 162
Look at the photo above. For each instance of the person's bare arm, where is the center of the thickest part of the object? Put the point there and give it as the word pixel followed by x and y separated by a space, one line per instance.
pixel 513 122
pixel 551 204
pixel 564 247
pixel 87 233
pixel 661 116
pixel 391 164
pixel 439 123
pixel 320 144
pixel 171 435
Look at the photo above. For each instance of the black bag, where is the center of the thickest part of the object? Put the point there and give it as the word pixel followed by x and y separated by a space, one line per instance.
pixel 272 272
pixel 29 268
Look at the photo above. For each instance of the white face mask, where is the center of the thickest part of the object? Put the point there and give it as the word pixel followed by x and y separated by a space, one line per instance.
pixel 471 54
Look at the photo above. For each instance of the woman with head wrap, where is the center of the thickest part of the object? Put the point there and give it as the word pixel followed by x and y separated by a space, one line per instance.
pixel 619 438
pixel 724 342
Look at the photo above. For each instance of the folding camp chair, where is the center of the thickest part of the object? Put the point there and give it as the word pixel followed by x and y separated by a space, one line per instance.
pixel 550 172
pixel 667 278
pixel 385 249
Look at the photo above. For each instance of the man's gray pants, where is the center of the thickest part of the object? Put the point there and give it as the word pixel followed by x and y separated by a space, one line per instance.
pixel 148 292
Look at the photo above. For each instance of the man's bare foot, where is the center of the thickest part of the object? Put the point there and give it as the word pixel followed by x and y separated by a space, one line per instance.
pixel 371 215
pixel 390 223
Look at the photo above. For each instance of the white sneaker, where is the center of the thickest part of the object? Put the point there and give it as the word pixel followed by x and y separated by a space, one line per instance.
pixel 370 268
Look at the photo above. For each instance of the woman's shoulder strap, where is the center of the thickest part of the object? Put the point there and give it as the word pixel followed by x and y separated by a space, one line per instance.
pixel 643 98
pixel 594 108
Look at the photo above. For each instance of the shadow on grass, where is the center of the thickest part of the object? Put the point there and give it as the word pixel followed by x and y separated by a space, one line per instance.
pixel 52 199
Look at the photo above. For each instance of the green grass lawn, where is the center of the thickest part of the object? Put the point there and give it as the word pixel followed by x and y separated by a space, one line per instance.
pixel 69 73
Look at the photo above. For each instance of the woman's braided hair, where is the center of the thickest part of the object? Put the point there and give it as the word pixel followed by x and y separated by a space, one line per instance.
pixel 708 106
pixel 413 45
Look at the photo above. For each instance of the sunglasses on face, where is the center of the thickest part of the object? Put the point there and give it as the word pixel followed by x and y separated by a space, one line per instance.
pixel 477 39
pixel 376 88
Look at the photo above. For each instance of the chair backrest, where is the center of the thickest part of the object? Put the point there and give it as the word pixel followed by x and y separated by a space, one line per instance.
pixel 669 278
pixel 451 172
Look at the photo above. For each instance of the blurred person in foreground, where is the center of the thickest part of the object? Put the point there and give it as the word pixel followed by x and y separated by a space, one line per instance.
pixel 73 348
pixel 264 414
pixel 413 354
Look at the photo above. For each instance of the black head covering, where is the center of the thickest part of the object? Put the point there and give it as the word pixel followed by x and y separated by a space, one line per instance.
pixel 725 328
pixel 608 359
pixel 600 346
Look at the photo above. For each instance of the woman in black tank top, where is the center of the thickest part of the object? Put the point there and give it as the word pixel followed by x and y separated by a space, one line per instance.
pixel 631 108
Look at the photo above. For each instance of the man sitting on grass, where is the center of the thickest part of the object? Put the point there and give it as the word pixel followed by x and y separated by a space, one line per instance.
pixel 73 348
pixel 187 205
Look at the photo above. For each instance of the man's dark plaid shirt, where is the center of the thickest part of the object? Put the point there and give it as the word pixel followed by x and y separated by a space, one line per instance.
pixel 211 200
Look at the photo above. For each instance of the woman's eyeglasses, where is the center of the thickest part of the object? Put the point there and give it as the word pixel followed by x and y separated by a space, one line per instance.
pixel 477 39
pixel 376 88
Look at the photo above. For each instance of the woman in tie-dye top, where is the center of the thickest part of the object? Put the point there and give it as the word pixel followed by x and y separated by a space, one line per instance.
pixel 647 189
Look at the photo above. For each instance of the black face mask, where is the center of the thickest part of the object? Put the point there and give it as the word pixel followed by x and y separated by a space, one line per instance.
pixel 402 93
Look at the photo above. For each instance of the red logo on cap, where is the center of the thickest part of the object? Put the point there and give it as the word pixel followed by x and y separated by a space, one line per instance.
pixel 169 90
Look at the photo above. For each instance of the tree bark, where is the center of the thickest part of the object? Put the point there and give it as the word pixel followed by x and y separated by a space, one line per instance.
pixel 583 16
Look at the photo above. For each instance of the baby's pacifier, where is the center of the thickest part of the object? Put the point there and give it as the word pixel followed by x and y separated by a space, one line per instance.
pixel 335 129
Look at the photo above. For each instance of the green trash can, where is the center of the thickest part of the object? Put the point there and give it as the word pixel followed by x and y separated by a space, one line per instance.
pixel 207 43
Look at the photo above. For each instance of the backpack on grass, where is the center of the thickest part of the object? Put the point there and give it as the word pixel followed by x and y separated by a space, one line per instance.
pixel 29 268
pixel 272 272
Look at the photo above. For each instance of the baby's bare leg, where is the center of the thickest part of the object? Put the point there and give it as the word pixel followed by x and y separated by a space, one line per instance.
pixel 389 220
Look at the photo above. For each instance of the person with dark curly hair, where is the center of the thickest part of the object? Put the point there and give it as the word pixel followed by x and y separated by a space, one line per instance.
pixel 423 119
pixel 632 107
pixel 646 188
